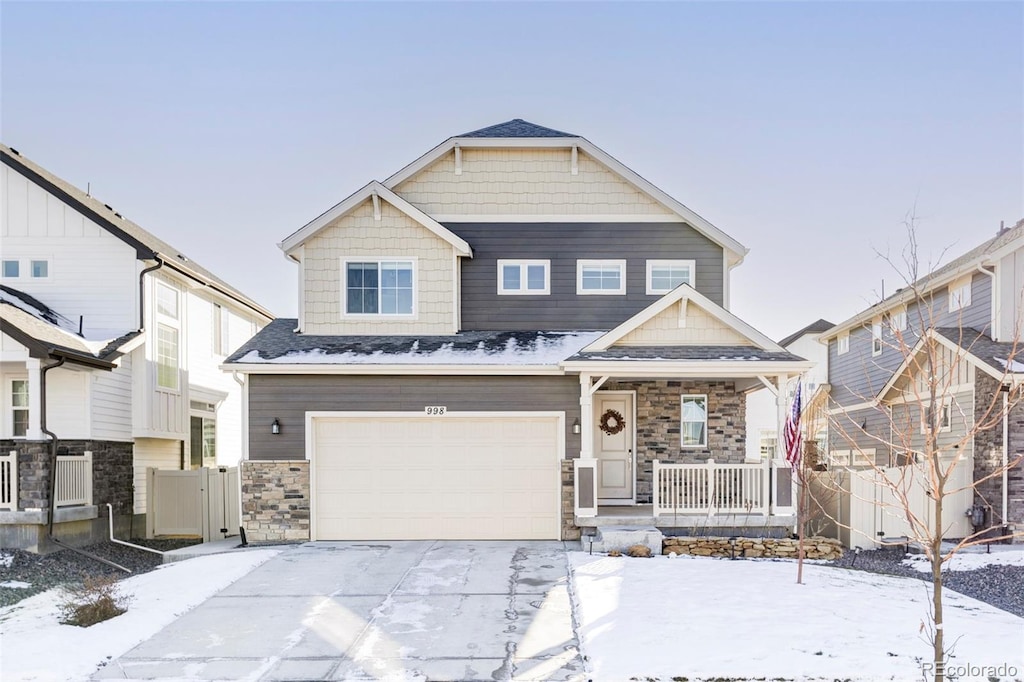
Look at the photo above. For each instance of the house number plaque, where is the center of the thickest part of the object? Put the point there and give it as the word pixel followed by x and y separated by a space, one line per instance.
pixel 435 410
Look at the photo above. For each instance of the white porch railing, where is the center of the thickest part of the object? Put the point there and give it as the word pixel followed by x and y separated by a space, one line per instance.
pixel 710 487
pixel 9 481
pixel 74 480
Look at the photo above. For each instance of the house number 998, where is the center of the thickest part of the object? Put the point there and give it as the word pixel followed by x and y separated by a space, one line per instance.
pixel 435 410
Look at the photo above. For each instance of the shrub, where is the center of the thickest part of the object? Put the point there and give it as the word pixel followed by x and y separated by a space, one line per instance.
pixel 94 601
pixel 639 551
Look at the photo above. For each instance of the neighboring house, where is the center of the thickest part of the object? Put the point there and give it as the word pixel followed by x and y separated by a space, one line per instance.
pixel 973 307
pixel 512 337
pixel 762 410
pixel 140 331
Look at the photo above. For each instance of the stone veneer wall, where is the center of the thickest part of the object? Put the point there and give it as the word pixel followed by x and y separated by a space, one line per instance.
pixel 658 413
pixel 275 500
pixel 988 457
pixel 569 529
pixel 783 548
pixel 112 472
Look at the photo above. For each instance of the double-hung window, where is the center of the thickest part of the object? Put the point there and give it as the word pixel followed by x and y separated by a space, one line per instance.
pixel 168 346
pixel 693 430
pixel 19 408
pixel 379 287
pixel 524 277
pixel 898 320
pixel 876 336
pixel 606 277
pixel 843 343
pixel 960 294
pixel 665 275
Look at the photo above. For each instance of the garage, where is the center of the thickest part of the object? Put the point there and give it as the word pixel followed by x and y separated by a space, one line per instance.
pixel 455 476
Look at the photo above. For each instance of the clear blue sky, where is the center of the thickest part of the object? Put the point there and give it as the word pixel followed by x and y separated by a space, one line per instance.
pixel 805 130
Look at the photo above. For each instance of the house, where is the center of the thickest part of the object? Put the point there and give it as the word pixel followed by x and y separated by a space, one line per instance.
pixel 111 342
pixel 762 414
pixel 513 337
pixel 969 313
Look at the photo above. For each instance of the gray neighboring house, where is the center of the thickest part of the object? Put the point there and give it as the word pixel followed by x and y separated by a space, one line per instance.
pixel 513 337
pixel 973 307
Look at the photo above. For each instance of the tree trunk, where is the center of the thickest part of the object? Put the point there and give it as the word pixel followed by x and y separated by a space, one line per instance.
pixel 801 513
pixel 938 649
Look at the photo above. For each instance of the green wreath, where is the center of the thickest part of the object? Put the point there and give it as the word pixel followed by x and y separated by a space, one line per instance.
pixel 612 422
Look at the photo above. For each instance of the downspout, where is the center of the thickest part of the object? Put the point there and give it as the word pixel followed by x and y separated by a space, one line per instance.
pixel 1006 451
pixel 52 503
pixel 142 290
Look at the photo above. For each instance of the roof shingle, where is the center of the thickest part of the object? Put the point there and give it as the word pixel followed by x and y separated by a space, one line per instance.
pixel 517 127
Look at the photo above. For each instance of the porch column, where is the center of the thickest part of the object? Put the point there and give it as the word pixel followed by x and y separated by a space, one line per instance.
pixel 780 428
pixel 586 418
pixel 35 388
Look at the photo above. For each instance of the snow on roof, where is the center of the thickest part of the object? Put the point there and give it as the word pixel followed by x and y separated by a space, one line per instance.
pixel 35 308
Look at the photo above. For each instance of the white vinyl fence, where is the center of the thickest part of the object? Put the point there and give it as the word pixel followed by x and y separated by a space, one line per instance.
pixel 9 481
pixel 200 502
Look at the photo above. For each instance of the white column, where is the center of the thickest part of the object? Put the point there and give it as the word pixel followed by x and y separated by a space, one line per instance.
pixel 35 390
pixel 586 418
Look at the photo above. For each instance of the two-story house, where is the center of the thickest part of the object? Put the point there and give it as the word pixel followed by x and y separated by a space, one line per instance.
pixel 969 315
pixel 512 337
pixel 111 345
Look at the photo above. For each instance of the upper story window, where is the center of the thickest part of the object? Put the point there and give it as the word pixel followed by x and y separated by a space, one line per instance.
pixel 960 294
pixel 39 269
pixel 876 336
pixel 19 408
pixel 843 343
pixel 524 277
pixel 11 269
pixel 898 320
pixel 167 354
pixel 693 430
pixel 601 277
pixel 166 301
pixel 221 325
pixel 379 287
pixel 665 275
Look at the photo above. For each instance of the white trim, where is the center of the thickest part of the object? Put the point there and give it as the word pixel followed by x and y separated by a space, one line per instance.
pixel 621 501
pixel 583 263
pixel 310 443
pixel 429 370
pixel 40 259
pixel 687 292
pixel 555 218
pixel 353 201
pixel 843 343
pixel 876 337
pixel 707 413
pixel 523 270
pixel 689 216
pixel 302 287
pixel 959 293
pixel 574 164
pixel 456 293
pixel 343 276
pixel 685 368
pixel 670 263
pixel 4 261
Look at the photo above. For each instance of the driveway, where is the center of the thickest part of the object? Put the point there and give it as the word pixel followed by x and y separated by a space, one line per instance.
pixel 395 610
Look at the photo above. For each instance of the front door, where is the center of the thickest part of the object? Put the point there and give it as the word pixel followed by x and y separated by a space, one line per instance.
pixel 613 445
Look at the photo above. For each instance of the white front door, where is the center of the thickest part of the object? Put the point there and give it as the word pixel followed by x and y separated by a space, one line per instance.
pixel 613 445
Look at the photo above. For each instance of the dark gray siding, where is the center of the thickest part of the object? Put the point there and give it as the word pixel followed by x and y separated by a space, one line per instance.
pixel 563 244
pixel 288 398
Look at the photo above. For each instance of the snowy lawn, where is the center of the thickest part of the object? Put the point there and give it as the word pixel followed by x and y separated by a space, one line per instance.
pixel 972 558
pixel 699 618
pixel 35 646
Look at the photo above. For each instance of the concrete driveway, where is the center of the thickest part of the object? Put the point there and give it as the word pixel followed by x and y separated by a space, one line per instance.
pixel 372 611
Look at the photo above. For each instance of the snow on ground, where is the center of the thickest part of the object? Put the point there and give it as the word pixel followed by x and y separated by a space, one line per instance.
pixel 36 647
pixel 972 558
pixel 699 617
pixel 6 559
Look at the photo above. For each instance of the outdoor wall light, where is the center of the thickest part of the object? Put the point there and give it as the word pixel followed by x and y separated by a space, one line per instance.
pixel 576 426
pixel 275 427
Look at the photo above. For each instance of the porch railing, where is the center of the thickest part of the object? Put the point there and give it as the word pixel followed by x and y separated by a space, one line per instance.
pixel 710 487
pixel 9 481
pixel 74 480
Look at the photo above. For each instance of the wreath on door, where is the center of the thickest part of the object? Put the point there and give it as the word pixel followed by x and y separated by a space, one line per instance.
pixel 611 422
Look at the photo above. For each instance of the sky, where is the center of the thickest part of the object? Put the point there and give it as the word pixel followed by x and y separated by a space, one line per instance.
pixel 808 131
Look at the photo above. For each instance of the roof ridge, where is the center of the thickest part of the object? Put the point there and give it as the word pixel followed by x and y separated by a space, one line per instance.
pixel 516 127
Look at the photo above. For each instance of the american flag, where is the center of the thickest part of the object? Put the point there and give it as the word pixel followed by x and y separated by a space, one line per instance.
pixel 792 436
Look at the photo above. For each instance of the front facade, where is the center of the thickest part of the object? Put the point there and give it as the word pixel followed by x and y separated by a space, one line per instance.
pixel 513 337
pixel 966 319
pixel 140 331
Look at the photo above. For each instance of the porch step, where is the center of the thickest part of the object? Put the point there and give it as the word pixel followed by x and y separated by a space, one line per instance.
pixel 608 538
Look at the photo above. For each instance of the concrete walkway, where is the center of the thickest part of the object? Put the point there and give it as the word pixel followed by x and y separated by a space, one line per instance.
pixel 396 610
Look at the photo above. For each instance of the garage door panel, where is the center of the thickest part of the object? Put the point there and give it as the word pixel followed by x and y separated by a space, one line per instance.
pixel 447 478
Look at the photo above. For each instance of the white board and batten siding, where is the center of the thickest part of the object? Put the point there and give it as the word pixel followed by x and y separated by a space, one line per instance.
pixel 91 272
pixel 461 476
pixel 160 453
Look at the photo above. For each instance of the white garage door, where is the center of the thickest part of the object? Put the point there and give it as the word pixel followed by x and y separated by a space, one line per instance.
pixel 446 478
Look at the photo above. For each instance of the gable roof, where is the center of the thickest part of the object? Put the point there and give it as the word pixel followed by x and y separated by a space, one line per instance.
pixel 517 127
pixel 681 292
pixel 821 325
pixel 992 249
pixel 482 138
pixel 147 246
pixel 355 200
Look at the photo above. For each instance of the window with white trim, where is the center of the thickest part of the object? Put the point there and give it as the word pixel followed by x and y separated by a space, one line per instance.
pixel 598 277
pixel 19 408
pixel 693 431
pixel 221 328
pixel 898 320
pixel 524 277
pixel 960 294
pixel 167 357
pixel 843 343
pixel 11 269
pixel 941 419
pixel 382 287
pixel 39 269
pixel 876 336
pixel 665 275
pixel 166 301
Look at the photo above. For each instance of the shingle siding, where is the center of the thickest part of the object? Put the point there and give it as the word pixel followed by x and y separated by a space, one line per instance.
pixel 563 244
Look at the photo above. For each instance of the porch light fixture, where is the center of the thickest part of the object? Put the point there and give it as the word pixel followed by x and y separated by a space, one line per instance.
pixel 275 427
pixel 576 426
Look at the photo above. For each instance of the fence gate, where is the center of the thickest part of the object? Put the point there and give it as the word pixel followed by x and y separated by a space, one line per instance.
pixel 199 502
